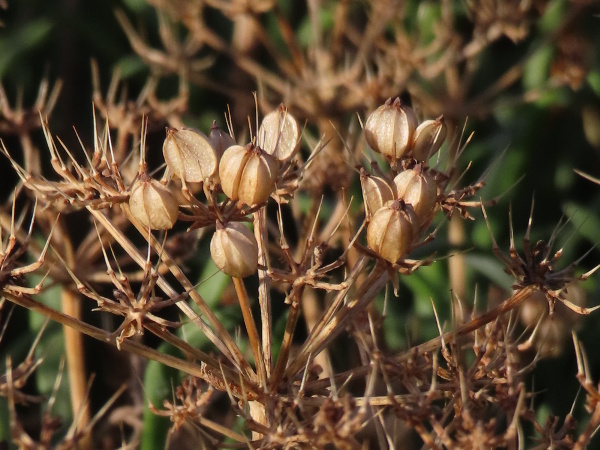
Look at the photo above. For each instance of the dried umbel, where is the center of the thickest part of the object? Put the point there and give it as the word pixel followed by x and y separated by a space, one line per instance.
pixel 190 156
pixel 234 249
pixel 392 231
pixel 419 189
pixel 389 129
pixel 248 174
pixel 278 134
pixel 428 138
pixel 376 192
pixel 153 204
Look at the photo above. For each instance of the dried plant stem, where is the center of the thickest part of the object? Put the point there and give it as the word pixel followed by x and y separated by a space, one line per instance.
pixel 222 378
pixel 456 264
pixel 294 299
pixel 433 344
pixel 71 306
pixel 227 345
pixel 264 289
pixel 312 315
pixel 253 336
pixel 339 313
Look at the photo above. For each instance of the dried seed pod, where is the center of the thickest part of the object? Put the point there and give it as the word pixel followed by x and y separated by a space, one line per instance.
pixel 189 155
pixel 419 189
pixel 389 129
pixel 248 174
pixel 278 133
pixel 219 139
pixel 428 138
pixel 234 249
pixel 551 332
pixel 153 204
pixel 376 192
pixel 392 231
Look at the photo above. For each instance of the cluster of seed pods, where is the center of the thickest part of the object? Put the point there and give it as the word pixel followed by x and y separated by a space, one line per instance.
pixel 399 210
pixel 246 174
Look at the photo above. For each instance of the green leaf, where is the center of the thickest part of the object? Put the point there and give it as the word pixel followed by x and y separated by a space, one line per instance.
pixel 492 268
pixel 584 220
pixel 26 38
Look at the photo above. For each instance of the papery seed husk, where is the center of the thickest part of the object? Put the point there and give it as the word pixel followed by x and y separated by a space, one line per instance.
pixel 428 138
pixel 234 250
pixel 278 134
pixel 189 155
pixel 392 230
pixel 418 189
pixel 390 128
pixel 153 204
pixel 376 192
pixel 219 139
pixel 231 169
pixel 248 174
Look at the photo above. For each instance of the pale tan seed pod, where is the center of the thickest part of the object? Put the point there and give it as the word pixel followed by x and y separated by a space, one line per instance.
pixel 248 174
pixel 389 129
pixel 428 138
pixel 278 134
pixel 234 249
pixel 376 192
pixel 392 231
pixel 418 189
pixel 219 139
pixel 190 156
pixel 153 204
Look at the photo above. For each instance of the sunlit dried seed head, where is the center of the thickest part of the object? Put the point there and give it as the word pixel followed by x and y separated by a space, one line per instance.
pixel 219 139
pixel 153 204
pixel 428 138
pixel 278 133
pixel 248 174
pixel 376 192
pixel 392 230
pixel 419 189
pixel 189 155
pixel 234 249
pixel 389 129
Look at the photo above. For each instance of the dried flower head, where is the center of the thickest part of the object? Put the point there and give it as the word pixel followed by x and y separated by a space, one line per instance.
pixel 153 204
pixel 428 138
pixel 234 249
pixel 419 189
pixel 278 134
pixel 248 174
pixel 389 129
pixel 190 155
pixel 392 230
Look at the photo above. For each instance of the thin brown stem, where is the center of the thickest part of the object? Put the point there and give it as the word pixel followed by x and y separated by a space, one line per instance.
pixel 264 288
pixel 253 337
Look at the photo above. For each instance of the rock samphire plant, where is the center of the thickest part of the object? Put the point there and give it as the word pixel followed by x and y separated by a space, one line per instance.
pixel 247 281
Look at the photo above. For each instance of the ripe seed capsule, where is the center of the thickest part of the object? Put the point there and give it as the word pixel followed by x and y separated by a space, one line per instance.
pixel 189 155
pixel 278 133
pixel 219 139
pixel 248 174
pixel 418 189
pixel 392 231
pixel 390 128
pixel 234 249
pixel 428 138
pixel 153 204
pixel 376 192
